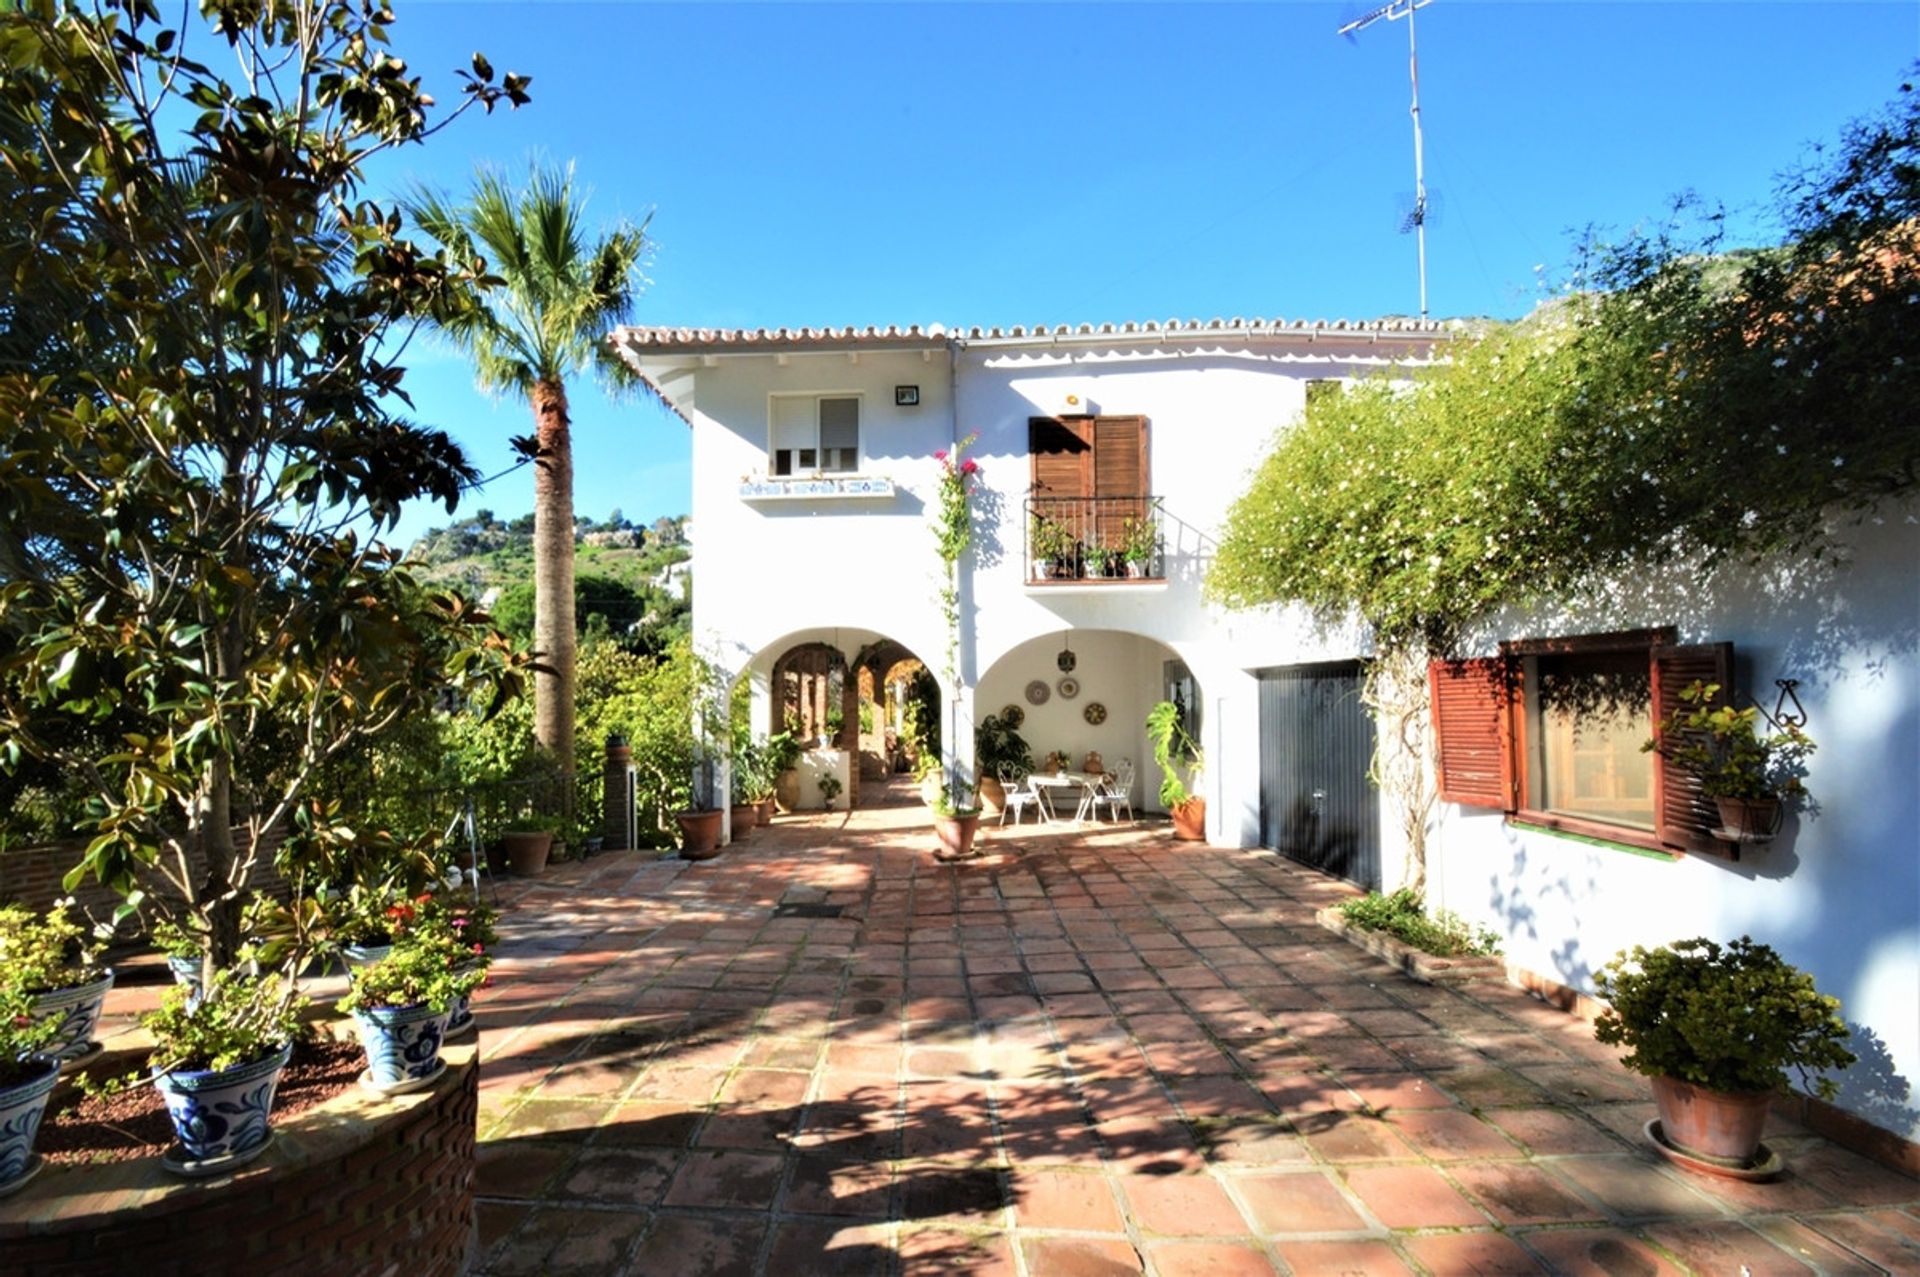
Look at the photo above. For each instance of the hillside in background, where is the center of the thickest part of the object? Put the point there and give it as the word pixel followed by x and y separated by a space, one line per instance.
pixel 632 583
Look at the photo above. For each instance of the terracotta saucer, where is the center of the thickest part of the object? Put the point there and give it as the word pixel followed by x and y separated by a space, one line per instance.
pixel 1767 1163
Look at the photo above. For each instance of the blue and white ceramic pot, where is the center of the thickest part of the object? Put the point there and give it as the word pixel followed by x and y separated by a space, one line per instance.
pixel 20 1108
pixel 186 971
pixel 78 1011
pixel 220 1115
pixel 402 1046
pixel 460 1019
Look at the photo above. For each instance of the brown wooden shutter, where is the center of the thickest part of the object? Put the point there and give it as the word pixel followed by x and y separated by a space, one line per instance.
pixel 1062 454
pixel 1682 818
pixel 1473 728
pixel 1120 457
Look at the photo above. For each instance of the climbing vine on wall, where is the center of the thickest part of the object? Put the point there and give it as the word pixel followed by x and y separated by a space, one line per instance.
pixel 953 531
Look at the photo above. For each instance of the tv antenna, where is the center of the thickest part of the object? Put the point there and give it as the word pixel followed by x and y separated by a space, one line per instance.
pixel 1393 11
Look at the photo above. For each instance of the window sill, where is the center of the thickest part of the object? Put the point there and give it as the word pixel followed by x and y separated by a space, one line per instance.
pixel 1593 833
pixel 816 487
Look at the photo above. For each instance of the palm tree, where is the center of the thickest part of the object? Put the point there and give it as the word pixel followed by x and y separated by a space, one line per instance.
pixel 556 300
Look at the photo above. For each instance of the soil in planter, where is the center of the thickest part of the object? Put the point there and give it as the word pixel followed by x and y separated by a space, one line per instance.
pixel 79 1130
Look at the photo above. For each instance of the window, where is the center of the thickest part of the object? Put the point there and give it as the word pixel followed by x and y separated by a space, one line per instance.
pixel 1551 731
pixel 814 433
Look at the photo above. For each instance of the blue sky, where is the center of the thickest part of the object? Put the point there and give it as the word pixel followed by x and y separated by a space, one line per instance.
pixel 1002 164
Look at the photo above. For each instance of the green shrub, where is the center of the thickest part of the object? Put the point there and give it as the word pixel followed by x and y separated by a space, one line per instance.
pixel 1403 916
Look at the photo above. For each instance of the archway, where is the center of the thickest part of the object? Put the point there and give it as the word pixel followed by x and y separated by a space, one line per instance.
pixel 873 705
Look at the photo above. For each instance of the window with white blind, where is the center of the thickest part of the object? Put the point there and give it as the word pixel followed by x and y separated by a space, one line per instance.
pixel 813 434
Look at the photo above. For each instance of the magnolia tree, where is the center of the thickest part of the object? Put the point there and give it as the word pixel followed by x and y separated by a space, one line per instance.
pixel 199 372
pixel 1676 402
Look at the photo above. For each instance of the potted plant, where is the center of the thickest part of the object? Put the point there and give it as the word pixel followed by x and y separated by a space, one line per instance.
pixel 1052 547
pixel 1174 749
pixel 216 1062
pixel 956 820
pixel 997 746
pixel 744 812
pixel 27 1076
pixel 699 821
pixel 529 842
pixel 1716 1027
pixel 782 752
pixel 1138 541
pixel 50 958
pixel 1747 775
pixel 400 1007
pixel 469 926
pixel 182 951
pixel 829 782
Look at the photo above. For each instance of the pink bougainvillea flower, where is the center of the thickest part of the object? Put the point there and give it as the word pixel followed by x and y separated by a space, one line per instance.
pixel 940 456
pixel 969 466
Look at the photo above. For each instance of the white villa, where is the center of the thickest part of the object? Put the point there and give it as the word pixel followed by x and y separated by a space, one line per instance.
pixel 814 477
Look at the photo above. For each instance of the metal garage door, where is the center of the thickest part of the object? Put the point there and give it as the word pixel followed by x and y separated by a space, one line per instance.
pixel 1316 741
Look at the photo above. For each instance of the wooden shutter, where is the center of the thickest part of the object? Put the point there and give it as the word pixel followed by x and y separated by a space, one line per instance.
pixel 1062 454
pixel 1682 818
pixel 1120 457
pixel 1473 729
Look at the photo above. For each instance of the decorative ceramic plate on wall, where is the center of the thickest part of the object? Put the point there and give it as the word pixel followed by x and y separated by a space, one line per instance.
pixel 1068 688
pixel 1037 692
pixel 1095 713
pixel 1013 716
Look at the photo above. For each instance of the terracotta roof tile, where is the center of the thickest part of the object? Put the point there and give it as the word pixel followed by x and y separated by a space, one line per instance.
pixel 667 338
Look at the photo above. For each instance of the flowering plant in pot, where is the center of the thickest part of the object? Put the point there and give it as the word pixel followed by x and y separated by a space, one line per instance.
pixel 1748 775
pixel 217 1057
pixel 468 925
pixel 1138 541
pixel 401 1005
pixel 1717 1027
pixel 50 957
pixel 27 1076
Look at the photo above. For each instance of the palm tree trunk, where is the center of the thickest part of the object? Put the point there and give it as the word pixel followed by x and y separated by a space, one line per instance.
pixel 553 632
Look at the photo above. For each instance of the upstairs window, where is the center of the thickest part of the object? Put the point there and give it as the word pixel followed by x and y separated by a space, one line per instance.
pixel 1551 731
pixel 814 434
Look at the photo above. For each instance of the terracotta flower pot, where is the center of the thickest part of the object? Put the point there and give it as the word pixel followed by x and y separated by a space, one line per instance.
pixel 786 791
pixel 699 834
pixel 993 796
pixel 1759 816
pixel 763 812
pixel 527 851
pixel 1718 1126
pixel 956 835
pixel 742 817
pixel 1190 820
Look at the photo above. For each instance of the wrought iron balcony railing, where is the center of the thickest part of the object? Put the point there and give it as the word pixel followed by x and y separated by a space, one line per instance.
pixel 1090 539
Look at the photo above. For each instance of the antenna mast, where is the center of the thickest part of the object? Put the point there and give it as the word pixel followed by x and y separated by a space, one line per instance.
pixel 1393 11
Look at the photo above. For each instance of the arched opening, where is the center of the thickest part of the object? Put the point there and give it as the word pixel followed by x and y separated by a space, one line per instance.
pixel 1081 697
pixel 867 717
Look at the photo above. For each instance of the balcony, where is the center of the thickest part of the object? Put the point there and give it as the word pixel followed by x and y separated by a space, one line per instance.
pixel 1098 542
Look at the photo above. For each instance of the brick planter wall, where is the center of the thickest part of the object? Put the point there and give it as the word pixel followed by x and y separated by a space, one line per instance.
pixel 31 876
pixel 358 1186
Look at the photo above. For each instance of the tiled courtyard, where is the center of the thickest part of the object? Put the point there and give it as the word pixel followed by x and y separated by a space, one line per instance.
pixel 1094 1051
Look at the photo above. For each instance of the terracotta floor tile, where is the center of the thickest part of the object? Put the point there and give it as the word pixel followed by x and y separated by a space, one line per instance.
pixel 519 1168
pixel 1820 1251
pixel 1634 1188
pixel 1726 1246
pixel 1080 1257
pixel 1350 1137
pixel 942 1252
pixel 626 1176
pixel 1182 1205
pixel 1522 1193
pixel 1451 1135
pixel 1599 1252
pixel 811 1246
pixel 1342 1259
pixel 1210 1259
pixel 1854 1180
pixel 1298 1202
pixel 1477 1253
pixel 765 1087
pixel 564 1242
pixel 1079 1201
pixel 691 1246
pixel 1550 1132
pixel 831 1186
pixel 1412 1197
pixel 724 1178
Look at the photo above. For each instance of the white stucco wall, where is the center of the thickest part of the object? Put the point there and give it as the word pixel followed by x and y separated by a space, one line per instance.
pixel 1839 892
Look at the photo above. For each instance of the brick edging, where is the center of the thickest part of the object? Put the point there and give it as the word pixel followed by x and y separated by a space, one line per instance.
pixel 1425 967
pixel 359 1184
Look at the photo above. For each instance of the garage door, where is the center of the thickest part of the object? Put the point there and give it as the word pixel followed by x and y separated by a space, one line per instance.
pixel 1316 741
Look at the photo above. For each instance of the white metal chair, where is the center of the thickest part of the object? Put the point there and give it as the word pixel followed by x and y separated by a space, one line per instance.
pixel 1018 795
pixel 1116 791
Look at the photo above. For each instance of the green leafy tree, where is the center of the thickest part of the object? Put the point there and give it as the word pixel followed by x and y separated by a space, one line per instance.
pixel 1677 403
pixel 190 626
pixel 560 296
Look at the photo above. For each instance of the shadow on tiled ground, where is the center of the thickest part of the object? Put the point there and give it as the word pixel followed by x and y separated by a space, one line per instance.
pixel 1092 1052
